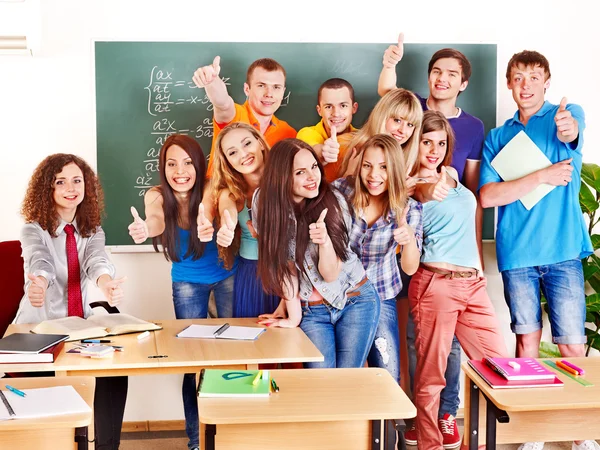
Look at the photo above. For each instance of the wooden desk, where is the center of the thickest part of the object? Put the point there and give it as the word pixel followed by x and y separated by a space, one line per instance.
pixel 49 432
pixel 534 414
pixel 276 345
pixel 315 408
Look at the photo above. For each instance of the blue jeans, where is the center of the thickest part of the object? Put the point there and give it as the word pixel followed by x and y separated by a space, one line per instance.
pixel 385 351
pixel 191 302
pixel 562 285
pixel 449 397
pixel 344 336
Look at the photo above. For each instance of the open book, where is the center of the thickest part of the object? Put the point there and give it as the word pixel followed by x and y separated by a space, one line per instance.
pixel 42 402
pixel 95 326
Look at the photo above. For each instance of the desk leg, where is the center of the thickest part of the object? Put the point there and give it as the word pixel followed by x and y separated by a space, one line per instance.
pixel 493 413
pixel 399 429
pixel 473 415
pixel 81 437
pixel 376 435
pixel 209 437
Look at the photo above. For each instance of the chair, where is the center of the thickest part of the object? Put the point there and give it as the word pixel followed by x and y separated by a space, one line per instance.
pixel 12 280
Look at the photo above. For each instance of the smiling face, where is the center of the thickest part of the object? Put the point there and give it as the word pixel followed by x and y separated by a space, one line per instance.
pixel 265 91
pixel 243 151
pixel 69 191
pixel 336 108
pixel 373 172
pixel 179 170
pixel 528 85
pixel 306 176
pixel 432 149
pixel 445 79
pixel 399 128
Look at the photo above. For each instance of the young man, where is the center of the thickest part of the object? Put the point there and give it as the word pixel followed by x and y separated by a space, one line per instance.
pixel 448 75
pixel 264 88
pixel 541 247
pixel 329 138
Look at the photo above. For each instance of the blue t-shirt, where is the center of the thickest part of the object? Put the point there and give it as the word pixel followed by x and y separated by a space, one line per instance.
pixel 469 134
pixel 553 230
pixel 207 269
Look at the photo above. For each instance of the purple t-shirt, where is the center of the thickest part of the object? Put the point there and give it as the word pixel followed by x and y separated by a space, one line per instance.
pixel 469 134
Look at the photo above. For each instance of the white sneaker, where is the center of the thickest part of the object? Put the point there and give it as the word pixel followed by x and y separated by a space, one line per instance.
pixel 532 446
pixel 586 445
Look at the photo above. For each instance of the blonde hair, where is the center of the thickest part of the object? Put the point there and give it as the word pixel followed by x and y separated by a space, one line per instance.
pixel 399 104
pixel 436 121
pixel 225 177
pixel 396 176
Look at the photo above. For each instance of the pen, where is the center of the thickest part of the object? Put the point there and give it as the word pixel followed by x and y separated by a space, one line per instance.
pixel 16 391
pixel 11 411
pixel 95 341
pixel 221 330
pixel 158 356
pixel 274 385
pixel 567 368
pixel 256 378
pixel 573 366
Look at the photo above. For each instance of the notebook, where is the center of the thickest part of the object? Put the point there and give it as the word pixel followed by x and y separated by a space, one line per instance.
pixel 43 402
pixel 45 356
pixel 29 342
pixel 233 383
pixel 224 331
pixel 520 157
pixel 529 369
pixel 497 381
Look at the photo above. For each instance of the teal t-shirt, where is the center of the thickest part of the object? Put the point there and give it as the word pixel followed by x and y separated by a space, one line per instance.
pixel 248 244
pixel 553 230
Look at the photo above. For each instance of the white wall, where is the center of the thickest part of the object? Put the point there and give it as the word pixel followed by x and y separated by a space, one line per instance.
pixel 47 102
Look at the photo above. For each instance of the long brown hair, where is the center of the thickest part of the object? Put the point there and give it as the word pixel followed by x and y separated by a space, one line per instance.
pixel 226 177
pixel 38 204
pixel 276 212
pixel 169 239
pixel 436 121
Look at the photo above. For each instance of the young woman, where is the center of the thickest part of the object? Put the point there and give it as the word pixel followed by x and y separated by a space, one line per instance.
pixel 239 156
pixel 175 218
pixel 304 253
pixel 447 294
pixel 384 218
pixel 63 250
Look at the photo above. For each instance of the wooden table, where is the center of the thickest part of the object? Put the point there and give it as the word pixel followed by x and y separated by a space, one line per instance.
pixel 533 414
pixel 315 408
pixel 49 433
pixel 163 353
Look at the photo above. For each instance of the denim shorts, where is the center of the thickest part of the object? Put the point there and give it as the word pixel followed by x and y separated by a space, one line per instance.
pixel 562 285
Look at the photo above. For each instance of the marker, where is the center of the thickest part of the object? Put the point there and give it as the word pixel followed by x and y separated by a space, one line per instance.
pixel 145 334
pixel 256 378
pixel 158 356
pixel 16 391
pixel 95 341
pixel 573 366
pixel 567 368
pixel 274 385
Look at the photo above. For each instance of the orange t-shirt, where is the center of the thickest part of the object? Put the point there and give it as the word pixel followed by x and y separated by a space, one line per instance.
pixel 277 130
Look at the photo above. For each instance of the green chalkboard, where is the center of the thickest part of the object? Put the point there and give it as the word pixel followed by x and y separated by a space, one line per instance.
pixel 144 92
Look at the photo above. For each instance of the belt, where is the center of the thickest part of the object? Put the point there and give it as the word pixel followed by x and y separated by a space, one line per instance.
pixel 450 274
pixel 352 293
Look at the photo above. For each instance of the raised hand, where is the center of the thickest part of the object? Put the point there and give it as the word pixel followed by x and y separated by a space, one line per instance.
pixel 205 227
pixel 331 147
pixel 440 189
pixel 227 231
pixel 112 289
pixel 558 174
pixel 394 53
pixel 565 123
pixel 207 74
pixel 318 230
pixel 138 230
pixel 404 233
pixel 37 290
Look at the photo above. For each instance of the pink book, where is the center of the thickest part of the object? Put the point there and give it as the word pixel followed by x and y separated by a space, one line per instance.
pixel 497 381
pixel 519 369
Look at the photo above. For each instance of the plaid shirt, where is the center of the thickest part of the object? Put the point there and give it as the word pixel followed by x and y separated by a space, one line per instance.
pixel 376 247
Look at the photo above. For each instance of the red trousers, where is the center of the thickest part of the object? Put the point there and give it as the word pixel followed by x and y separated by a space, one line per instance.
pixel 441 307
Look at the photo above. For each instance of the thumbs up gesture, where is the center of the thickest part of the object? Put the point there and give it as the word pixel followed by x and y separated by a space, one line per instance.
pixel 440 189
pixel 404 233
pixel 394 53
pixel 138 230
pixel 566 125
pixel 331 147
pixel 227 231
pixel 37 290
pixel 112 289
pixel 205 227
pixel 318 231
pixel 207 74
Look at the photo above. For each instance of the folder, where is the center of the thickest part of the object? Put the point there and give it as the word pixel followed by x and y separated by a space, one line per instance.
pixel 497 381
pixel 233 383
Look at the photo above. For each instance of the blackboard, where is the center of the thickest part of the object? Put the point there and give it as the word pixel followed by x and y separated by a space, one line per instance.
pixel 144 92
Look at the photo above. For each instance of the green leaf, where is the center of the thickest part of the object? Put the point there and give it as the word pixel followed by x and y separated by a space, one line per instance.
pixel 587 200
pixel 594 282
pixel 549 350
pixel 593 339
pixel 595 241
pixel 590 173
pixel 592 303
pixel 589 268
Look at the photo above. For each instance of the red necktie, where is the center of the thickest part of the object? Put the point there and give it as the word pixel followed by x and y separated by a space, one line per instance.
pixel 75 305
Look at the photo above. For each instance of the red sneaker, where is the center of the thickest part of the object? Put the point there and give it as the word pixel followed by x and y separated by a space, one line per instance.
pixel 410 435
pixel 449 429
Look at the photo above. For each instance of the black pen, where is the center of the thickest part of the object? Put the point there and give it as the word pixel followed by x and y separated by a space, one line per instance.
pixel 158 356
pixel 11 412
pixel 221 330
pixel 95 341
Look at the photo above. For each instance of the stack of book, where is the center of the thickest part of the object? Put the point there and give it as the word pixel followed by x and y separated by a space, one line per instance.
pixel 25 348
pixel 505 373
